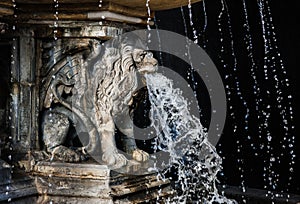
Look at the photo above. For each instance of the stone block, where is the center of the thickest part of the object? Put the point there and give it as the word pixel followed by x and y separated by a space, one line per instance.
pixel 93 181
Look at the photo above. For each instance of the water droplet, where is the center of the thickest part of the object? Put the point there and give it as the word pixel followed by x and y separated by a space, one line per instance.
pixel 269 138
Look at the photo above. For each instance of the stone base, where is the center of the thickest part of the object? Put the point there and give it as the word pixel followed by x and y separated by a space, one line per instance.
pixel 20 187
pixel 149 196
pixel 94 183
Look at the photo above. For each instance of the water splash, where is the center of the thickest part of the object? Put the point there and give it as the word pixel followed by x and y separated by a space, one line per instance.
pixel 181 135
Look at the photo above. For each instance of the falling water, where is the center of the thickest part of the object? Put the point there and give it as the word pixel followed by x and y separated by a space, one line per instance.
pixel 149 14
pixel 100 4
pixel 181 134
pixel 195 36
pixel 268 172
pixel 159 41
pixel 56 52
pixel 232 75
pixel 188 53
pixel 253 73
pixel 56 4
pixel 204 41
pixel 148 21
pixel 14 100
pixel 277 74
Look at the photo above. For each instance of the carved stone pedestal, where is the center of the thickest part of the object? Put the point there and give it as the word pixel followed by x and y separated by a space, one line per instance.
pixel 94 183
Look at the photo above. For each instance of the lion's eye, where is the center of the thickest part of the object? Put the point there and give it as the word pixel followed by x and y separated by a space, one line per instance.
pixel 143 54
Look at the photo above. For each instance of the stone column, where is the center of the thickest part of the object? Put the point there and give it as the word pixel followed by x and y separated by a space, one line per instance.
pixel 23 94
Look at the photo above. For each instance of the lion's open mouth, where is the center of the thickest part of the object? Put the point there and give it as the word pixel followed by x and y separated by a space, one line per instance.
pixel 147 69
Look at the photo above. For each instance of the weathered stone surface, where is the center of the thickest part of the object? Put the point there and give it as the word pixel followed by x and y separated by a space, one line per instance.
pixel 5 169
pixel 136 4
pixel 149 196
pixel 91 180
pixel 20 187
pixel 6 8
pixel 77 187
pixel 72 170
pixel 45 199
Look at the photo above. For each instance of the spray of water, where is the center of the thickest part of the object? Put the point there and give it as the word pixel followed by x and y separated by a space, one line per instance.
pixel 180 134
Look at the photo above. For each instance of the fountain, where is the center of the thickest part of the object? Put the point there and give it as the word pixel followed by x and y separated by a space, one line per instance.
pixel 76 77
pixel 63 60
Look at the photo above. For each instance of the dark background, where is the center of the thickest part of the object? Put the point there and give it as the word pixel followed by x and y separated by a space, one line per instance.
pixel 249 162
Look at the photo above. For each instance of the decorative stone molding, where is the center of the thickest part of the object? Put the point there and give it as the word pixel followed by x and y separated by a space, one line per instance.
pixel 6 8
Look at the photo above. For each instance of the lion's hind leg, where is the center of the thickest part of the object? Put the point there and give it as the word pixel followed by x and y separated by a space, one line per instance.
pixel 55 129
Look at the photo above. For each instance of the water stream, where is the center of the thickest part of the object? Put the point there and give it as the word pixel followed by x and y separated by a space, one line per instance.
pixel 276 73
pixel 181 135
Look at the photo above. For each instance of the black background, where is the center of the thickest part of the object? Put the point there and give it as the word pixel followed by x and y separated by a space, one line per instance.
pixel 285 20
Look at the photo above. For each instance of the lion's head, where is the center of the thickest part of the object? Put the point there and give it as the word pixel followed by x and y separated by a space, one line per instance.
pixel 144 61
pixel 134 49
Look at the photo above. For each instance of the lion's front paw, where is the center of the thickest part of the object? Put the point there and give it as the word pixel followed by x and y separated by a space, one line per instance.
pixel 140 155
pixel 114 159
pixel 66 154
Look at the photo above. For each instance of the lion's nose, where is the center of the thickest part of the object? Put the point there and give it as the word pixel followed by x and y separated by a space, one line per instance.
pixel 149 55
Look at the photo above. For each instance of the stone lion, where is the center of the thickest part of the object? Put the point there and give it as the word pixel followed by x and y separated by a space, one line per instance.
pixel 92 91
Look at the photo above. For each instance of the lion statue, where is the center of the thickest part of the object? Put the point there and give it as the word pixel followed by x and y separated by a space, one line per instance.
pixel 92 89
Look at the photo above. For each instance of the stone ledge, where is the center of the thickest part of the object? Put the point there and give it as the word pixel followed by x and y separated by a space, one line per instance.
pixel 72 170
pixel 84 180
